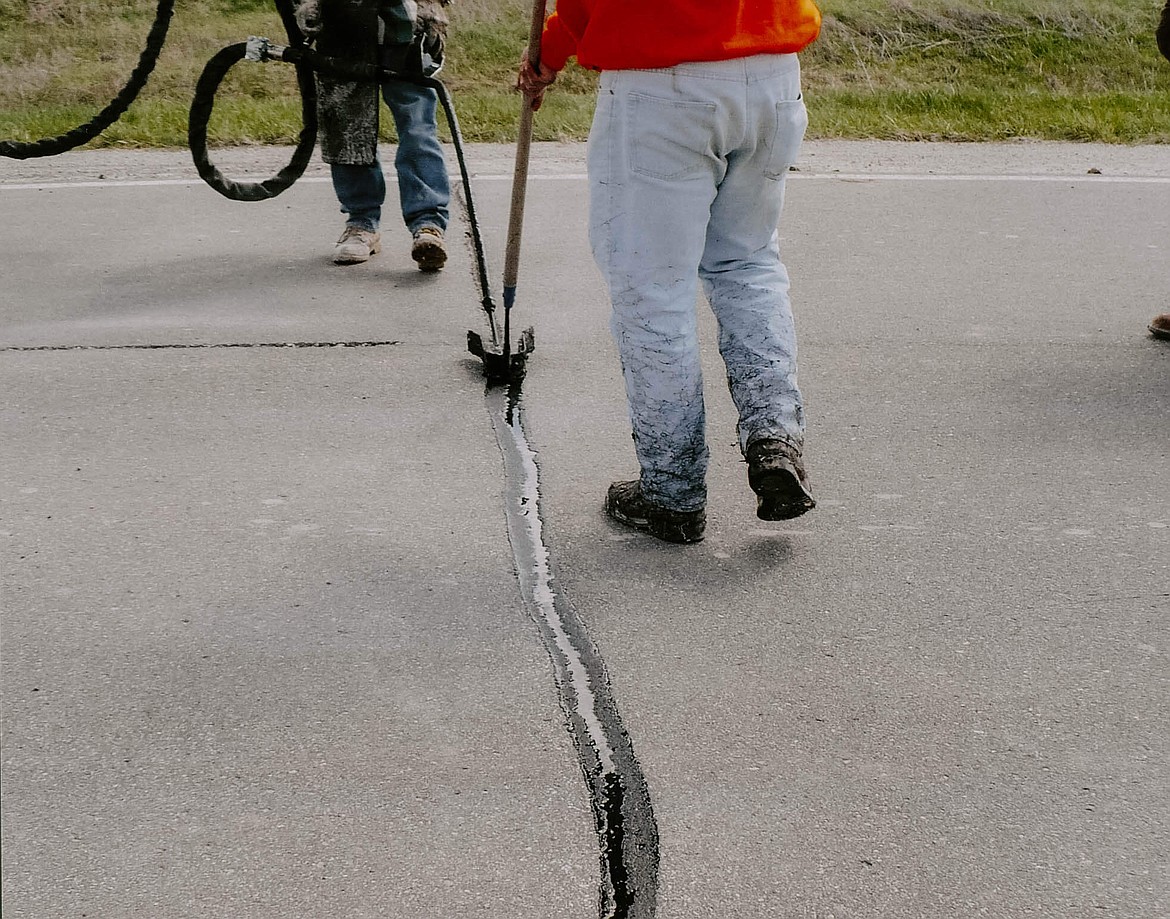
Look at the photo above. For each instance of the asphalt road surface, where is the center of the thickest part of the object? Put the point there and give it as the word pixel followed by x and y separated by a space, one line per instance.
pixel 283 634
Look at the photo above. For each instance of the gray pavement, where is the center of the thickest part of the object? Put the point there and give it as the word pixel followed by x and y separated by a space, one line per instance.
pixel 262 645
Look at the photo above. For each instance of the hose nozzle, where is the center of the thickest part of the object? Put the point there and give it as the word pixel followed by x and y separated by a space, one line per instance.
pixel 258 50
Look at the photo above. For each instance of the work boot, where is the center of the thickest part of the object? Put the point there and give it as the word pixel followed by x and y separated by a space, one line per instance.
pixel 626 504
pixel 776 474
pixel 428 249
pixel 1160 326
pixel 357 244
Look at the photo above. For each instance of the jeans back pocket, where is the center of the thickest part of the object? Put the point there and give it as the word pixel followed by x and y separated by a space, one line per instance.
pixel 669 138
pixel 791 123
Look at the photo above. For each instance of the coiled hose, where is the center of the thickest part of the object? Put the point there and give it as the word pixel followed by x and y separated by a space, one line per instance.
pixel 204 100
pixel 84 133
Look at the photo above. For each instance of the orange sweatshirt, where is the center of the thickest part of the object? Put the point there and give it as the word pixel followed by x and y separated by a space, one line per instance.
pixel 639 34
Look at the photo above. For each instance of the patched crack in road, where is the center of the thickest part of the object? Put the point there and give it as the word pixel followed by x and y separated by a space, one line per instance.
pixel 204 345
pixel 624 818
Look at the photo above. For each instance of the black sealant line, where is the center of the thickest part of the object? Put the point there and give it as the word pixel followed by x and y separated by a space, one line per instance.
pixel 626 829
pixel 229 344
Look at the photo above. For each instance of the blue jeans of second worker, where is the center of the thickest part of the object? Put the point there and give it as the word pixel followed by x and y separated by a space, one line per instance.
pixel 424 189
pixel 687 167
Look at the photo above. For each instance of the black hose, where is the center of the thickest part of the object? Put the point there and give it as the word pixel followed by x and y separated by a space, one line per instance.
pixel 200 114
pixel 288 17
pixel 82 134
pixel 485 292
pixel 204 101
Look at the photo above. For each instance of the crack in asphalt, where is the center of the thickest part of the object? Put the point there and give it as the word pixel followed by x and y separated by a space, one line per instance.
pixel 623 815
pixel 209 345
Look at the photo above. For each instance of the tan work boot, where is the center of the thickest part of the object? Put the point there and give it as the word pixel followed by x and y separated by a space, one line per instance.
pixel 428 249
pixel 357 244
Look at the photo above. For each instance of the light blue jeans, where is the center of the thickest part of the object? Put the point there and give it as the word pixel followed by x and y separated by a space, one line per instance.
pixel 424 188
pixel 687 167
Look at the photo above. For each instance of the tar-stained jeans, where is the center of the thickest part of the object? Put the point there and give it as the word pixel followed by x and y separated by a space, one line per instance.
pixel 687 167
pixel 424 188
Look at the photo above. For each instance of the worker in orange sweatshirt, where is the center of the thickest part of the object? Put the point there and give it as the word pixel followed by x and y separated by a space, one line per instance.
pixel 699 117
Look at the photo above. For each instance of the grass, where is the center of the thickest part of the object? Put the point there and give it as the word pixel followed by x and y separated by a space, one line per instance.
pixel 933 69
pixel 989 70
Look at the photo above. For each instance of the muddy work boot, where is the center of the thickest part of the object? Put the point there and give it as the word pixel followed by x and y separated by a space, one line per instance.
pixel 626 504
pixel 428 249
pixel 357 244
pixel 776 474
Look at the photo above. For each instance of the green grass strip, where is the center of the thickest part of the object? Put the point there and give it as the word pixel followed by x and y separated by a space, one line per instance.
pixel 967 70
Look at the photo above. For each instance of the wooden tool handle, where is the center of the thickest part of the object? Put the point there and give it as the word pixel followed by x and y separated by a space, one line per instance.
pixel 523 144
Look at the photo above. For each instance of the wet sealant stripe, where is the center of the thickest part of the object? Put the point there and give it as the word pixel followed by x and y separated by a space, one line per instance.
pixel 622 812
